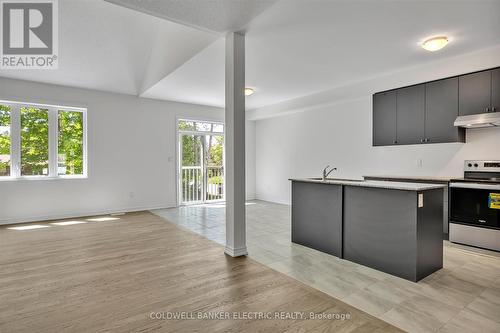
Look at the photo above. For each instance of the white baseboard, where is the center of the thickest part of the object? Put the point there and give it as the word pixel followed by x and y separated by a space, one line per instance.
pixel 272 200
pixel 250 197
pixel 39 218
pixel 242 251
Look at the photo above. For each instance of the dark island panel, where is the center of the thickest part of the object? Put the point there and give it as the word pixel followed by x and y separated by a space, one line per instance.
pixel 388 231
pixel 380 229
pixel 317 216
pixel 430 244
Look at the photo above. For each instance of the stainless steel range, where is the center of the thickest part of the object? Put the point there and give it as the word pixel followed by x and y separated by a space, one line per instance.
pixel 475 205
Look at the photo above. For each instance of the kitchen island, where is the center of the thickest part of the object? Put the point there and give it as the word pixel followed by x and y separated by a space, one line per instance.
pixel 394 227
pixel 442 180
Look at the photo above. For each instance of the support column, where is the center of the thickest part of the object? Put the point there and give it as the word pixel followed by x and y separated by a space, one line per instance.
pixel 235 145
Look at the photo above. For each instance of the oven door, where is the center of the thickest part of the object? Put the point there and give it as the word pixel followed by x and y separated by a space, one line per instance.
pixel 475 204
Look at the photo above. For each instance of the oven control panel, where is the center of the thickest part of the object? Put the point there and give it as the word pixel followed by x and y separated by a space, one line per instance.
pixel 483 166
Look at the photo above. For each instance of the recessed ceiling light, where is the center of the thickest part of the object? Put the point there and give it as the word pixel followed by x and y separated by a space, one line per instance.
pixel 249 91
pixel 435 43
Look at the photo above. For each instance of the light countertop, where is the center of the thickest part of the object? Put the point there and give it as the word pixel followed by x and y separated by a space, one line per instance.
pixel 440 179
pixel 390 185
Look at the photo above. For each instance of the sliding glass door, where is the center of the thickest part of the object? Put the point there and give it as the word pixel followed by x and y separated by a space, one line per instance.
pixel 201 162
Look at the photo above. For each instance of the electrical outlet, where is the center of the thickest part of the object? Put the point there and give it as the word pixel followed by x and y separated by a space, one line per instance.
pixel 420 200
pixel 420 162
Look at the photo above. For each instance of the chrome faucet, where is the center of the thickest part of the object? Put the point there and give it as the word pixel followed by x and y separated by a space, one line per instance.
pixel 326 173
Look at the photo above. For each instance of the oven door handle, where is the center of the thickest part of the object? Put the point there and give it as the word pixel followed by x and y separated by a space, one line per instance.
pixel 478 186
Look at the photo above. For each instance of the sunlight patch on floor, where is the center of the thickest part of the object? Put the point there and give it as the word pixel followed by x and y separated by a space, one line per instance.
pixel 29 227
pixel 103 219
pixel 68 223
pixel 63 223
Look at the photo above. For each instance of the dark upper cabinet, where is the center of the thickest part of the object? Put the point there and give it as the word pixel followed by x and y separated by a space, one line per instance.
pixel 474 93
pixel 410 115
pixel 495 90
pixel 441 110
pixel 425 113
pixel 384 118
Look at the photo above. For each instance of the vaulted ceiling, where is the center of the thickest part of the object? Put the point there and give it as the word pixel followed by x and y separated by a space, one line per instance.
pixel 107 47
pixel 174 50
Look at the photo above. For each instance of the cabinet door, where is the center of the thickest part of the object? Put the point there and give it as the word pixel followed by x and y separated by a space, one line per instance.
pixel 495 90
pixel 411 115
pixel 474 93
pixel 384 119
pixel 441 110
pixel 317 216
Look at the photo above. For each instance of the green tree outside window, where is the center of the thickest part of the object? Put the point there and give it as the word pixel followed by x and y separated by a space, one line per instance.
pixel 34 141
pixel 70 143
pixel 5 140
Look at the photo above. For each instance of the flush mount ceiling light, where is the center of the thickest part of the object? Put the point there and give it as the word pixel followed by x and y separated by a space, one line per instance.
pixel 249 91
pixel 435 43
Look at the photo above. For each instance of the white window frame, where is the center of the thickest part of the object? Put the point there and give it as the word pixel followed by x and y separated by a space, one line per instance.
pixel 15 137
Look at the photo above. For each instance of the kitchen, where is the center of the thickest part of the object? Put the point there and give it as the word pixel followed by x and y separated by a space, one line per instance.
pixel 342 135
pixel 433 112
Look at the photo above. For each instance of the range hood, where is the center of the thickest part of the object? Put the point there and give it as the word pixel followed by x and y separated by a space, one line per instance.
pixel 490 119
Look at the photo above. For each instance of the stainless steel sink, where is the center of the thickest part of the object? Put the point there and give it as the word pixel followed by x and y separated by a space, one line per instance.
pixel 339 179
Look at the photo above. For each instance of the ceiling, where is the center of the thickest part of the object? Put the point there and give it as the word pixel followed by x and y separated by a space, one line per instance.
pixel 297 48
pixel 217 16
pixel 200 80
pixel 294 48
pixel 111 48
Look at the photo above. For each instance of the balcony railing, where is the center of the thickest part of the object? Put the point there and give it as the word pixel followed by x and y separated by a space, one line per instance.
pixel 192 184
pixel 215 183
pixel 200 187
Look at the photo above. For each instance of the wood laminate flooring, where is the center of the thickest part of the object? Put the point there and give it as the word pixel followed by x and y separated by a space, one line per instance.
pixel 464 296
pixel 112 273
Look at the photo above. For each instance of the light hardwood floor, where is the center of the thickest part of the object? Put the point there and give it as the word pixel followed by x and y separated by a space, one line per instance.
pixel 462 297
pixel 95 275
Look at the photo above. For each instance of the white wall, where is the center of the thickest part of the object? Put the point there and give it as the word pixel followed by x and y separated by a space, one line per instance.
pixel 132 155
pixel 303 143
pixel 250 159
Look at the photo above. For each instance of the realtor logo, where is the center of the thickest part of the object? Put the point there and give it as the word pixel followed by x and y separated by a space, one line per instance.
pixel 29 34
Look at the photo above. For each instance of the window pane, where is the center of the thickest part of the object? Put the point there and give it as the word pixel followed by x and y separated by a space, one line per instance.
pixel 5 142
pixel 219 128
pixel 186 125
pixel 70 143
pixel 205 127
pixel 34 141
pixel 191 150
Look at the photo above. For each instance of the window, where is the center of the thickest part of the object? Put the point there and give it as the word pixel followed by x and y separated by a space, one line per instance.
pixel 42 141
pixel 198 126
pixel 70 143
pixel 34 141
pixel 5 142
